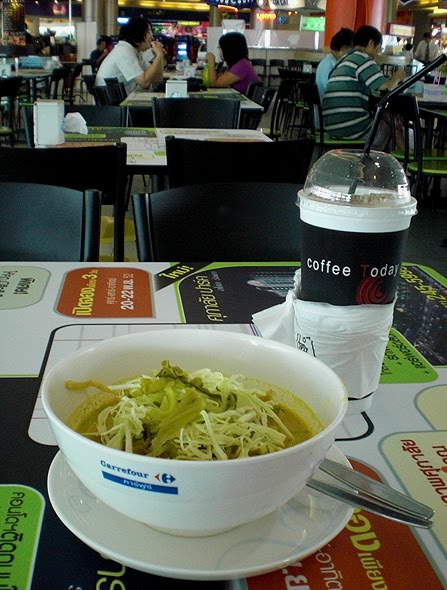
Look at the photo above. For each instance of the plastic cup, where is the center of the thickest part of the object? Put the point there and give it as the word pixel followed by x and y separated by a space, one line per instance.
pixel 355 213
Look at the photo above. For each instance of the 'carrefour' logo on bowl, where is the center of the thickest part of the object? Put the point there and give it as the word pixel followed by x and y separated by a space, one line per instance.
pixel 165 477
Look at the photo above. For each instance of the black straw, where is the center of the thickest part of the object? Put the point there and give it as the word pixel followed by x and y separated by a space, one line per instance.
pixel 383 103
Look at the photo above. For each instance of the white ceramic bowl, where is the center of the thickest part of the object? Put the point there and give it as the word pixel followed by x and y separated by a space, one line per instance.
pixel 194 497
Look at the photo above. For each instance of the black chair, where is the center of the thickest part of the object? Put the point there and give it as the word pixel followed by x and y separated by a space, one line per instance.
pixel 252 86
pixel 101 95
pixel 116 91
pixel 9 89
pixel 273 73
pixel 265 161
pixel 205 113
pixel 311 103
pixel 283 109
pixel 42 222
pixel 100 116
pixel 88 80
pixel 73 75
pixel 262 96
pixel 102 168
pixel 260 66
pixel 58 82
pixel 248 221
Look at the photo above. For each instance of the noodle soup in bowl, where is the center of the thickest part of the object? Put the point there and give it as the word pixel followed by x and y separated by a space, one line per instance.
pixel 175 492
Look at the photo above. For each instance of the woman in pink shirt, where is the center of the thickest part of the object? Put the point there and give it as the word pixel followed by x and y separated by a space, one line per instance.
pixel 240 72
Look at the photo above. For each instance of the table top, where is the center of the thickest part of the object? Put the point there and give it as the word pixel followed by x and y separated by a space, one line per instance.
pixel 434 97
pixel 401 440
pixel 142 98
pixel 146 146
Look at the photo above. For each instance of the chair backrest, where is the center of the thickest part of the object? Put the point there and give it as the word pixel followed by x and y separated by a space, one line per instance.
pixel 9 89
pixel 405 108
pixel 72 77
pixel 218 222
pixel 258 161
pixel 205 113
pixel 310 94
pixel 115 90
pixel 263 96
pixel 101 95
pixel 81 168
pixel 89 81
pixel 100 116
pixel 42 222
pixel 57 82
pixel 252 88
pixel 284 94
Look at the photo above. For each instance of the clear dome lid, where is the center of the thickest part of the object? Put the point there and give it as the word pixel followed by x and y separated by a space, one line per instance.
pixel 352 178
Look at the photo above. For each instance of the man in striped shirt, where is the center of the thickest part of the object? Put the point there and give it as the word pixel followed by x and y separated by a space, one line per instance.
pixel 346 100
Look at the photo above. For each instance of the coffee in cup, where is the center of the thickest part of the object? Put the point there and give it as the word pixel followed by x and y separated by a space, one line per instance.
pixel 355 213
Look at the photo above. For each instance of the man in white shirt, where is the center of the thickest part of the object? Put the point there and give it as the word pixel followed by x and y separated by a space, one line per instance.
pixel 427 50
pixel 125 61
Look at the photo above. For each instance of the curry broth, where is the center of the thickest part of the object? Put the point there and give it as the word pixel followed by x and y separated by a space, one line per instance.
pixel 296 415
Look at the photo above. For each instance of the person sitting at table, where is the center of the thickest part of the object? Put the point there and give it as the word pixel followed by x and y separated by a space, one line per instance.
pixel 125 62
pixel 341 43
pixel 98 54
pixel 346 112
pixel 240 73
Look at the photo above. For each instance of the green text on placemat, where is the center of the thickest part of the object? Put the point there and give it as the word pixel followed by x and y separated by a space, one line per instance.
pixel 21 512
pixel 403 363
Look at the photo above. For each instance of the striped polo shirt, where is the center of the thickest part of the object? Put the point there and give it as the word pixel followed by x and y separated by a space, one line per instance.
pixel 346 100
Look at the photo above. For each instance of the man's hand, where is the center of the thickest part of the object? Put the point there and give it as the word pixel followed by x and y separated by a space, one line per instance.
pixel 157 48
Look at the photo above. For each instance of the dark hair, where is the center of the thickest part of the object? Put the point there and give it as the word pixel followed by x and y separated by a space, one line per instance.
pixel 344 38
pixel 134 31
pixel 365 34
pixel 427 35
pixel 100 40
pixel 234 47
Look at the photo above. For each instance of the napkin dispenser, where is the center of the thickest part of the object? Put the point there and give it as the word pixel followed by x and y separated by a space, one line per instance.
pixel 48 119
pixel 176 89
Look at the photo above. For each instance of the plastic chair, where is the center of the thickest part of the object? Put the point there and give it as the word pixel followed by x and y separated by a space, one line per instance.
pixel 100 115
pixel 42 222
pixel 252 87
pixel 88 80
pixel 311 97
pixel 263 96
pixel 116 91
pixel 282 109
pixel 204 113
pixel 9 88
pixel 260 66
pixel 265 161
pixel 273 73
pixel 246 221
pixel 58 83
pixel 101 95
pixel 72 77
pixel 102 168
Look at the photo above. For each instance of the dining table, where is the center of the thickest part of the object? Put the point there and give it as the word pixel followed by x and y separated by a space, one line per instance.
pixel 33 79
pixel 72 541
pixel 142 98
pixel 146 146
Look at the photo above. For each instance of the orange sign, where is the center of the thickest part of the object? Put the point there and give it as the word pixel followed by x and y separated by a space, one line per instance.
pixel 371 552
pixel 105 292
pixel 265 16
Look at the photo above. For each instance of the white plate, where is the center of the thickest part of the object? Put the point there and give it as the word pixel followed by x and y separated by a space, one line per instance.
pixel 304 525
